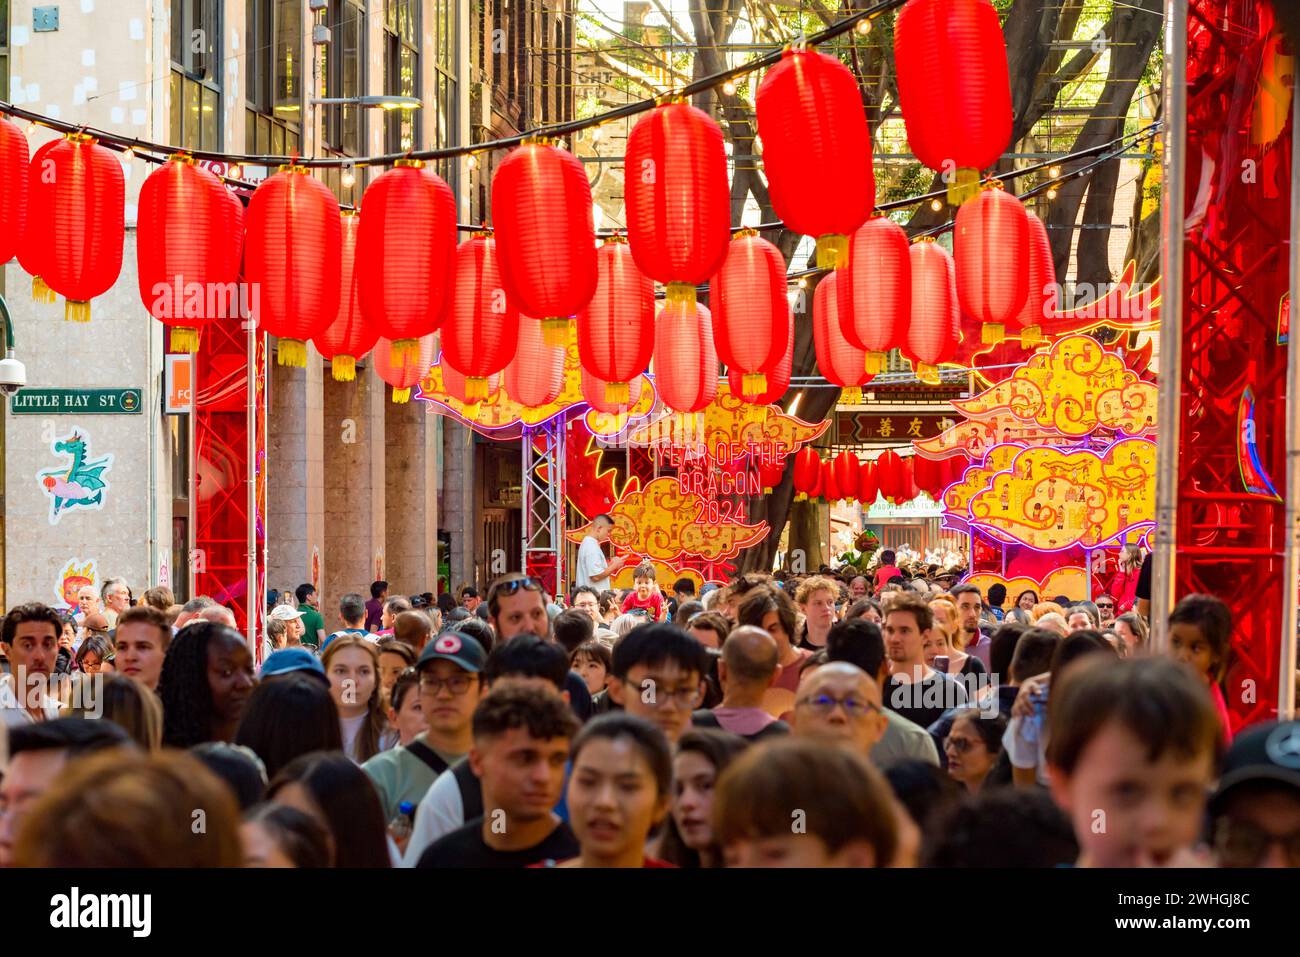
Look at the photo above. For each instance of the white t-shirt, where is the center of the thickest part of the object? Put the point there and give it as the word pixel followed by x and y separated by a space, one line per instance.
pixel 1026 742
pixel 439 812
pixel 591 561
pixel 351 727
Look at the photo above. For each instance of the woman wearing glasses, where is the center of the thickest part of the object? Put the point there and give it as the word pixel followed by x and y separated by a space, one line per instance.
pixel 972 746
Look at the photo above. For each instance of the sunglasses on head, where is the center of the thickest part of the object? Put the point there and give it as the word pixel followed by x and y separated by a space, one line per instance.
pixel 528 583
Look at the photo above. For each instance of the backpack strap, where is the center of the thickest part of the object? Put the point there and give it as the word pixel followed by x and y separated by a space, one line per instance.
pixel 471 789
pixel 429 756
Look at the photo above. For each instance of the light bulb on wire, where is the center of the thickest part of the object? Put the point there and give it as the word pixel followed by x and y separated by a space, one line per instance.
pixel 1051 193
pixel 595 135
pixel 864 26
pixel 729 88
pixel 349 177
pixel 471 161
pixel 1054 172
pixel 235 171
pixel 936 205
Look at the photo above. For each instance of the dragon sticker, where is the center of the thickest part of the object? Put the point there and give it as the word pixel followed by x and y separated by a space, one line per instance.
pixel 78 485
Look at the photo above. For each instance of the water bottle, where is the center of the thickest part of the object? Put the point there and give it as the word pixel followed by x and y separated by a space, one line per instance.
pixel 400 825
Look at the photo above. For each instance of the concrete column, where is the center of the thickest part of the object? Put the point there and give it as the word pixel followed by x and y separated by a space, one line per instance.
pixel 353 440
pixel 458 515
pixel 295 523
pixel 411 497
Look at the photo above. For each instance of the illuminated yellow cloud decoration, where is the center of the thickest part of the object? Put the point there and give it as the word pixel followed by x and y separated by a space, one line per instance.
pixel 1074 388
pixel 1050 499
pixel 1072 582
pixel 957 498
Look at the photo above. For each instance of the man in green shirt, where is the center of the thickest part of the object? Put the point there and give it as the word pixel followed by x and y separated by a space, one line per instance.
pixel 451 684
pixel 312 621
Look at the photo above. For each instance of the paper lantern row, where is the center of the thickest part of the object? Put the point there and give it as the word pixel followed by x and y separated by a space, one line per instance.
pixel 889 476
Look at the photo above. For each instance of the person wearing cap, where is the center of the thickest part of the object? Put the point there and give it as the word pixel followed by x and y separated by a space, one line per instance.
pixel 451 684
pixel 285 660
pixel 294 627
pixel 1255 810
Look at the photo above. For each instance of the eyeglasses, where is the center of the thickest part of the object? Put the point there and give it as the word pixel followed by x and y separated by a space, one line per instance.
pixel 456 684
pixel 1104 605
pixel 824 704
pixel 958 745
pixel 1242 844
pixel 655 696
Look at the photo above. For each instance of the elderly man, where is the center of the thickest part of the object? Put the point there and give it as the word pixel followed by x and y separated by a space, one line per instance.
pixel 840 702
pixel 750 664
pixel 117 599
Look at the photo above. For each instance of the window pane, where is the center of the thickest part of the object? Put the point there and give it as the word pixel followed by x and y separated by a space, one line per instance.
pixel 288 59
pixel 193 118
pixel 277 139
pixel 178 32
pixel 211 135
pixel 176 134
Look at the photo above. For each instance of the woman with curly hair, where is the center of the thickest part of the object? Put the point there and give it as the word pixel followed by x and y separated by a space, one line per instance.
pixel 206 679
pixel 352 666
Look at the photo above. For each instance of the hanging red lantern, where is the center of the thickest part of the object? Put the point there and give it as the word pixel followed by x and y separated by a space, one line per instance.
pixel 594 391
pixel 616 327
pixel 541 208
pixel 293 258
pixel 778 381
pixel 991 257
pixel 839 362
pixel 816 150
pixel 889 474
pixel 482 327
pixel 686 366
pixel 925 475
pixel 1040 303
pixel 846 468
pixel 456 386
pixel 35 247
pixel 751 310
pixel 183 267
pixel 15 160
pixel 935 329
pixel 875 291
pixel 906 483
pixel 404 250
pixel 868 485
pixel 85 197
pixel 535 376
pixel 770 473
pixel 349 337
pixel 954 87
pixel 678 197
pixel 401 370
pixel 831 490
pixel 807 468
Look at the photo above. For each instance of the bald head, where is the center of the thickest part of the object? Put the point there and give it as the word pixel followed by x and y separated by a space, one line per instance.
pixel 750 655
pixel 216 613
pixel 840 702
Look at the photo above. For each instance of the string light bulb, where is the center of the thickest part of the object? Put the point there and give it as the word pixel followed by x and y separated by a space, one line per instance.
pixel 1051 193
pixel 595 135
pixel 936 205
pixel 760 23
pixel 864 26
pixel 235 171
pixel 729 88
pixel 1054 172
pixel 803 283
pixel 471 161
pixel 128 155
pixel 349 177
pixel 31 128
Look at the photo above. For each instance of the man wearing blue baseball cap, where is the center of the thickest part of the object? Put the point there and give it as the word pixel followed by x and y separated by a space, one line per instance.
pixel 450 668
pixel 283 661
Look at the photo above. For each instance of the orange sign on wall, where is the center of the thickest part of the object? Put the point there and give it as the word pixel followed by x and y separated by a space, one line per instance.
pixel 179 384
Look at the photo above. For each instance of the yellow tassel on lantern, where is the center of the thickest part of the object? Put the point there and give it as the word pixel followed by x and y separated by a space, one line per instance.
pixel 344 368
pixel 75 311
pixel 405 351
pixel 619 393
pixel 1030 336
pixel 291 352
pixel 753 384
pixel 800 497
pixel 992 332
pixel 555 332
pixel 401 396
pixel 470 410
pixel 832 251
pixel 184 339
pixel 851 396
pixel 965 186
pixel 876 363
pixel 927 373
pixel 42 293
pixel 681 292
pixel 476 389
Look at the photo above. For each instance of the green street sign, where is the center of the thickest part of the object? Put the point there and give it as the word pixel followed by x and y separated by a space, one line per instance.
pixel 76 402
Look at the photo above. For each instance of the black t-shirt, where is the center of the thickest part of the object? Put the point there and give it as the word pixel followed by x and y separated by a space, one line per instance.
pixel 924 702
pixel 465 847
pixel 1144 579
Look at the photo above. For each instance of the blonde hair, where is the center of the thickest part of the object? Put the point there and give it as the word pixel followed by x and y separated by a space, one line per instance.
pixel 1047 608
pixel 948 621
pixel 126 702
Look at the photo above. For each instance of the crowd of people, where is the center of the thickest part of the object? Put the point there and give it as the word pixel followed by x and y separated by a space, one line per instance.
pixel 883 719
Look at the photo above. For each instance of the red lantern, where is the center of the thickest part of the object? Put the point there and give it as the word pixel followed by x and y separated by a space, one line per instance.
pixel 183 264
pixel 616 328
pixel 401 370
pixel 906 483
pixel 457 385
pixel 85 198
pixel 35 247
pixel 594 391
pixel 686 366
pixel 778 382
pixel 875 292
pixel 837 359
pixel 232 208
pixel 925 474
pixel 846 468
pixel 935 329
pixel 293 259
pixel 541 208
pixel 770 473
pixel 991 256
pixel 678 197
pixel 816 150
pixel 889 474
pixel 349 337
pixel 831 490
pixel 1040 304
pixel 954 87
pixel 751 311
pixel 807 468
pixel 868 487
pixel 15 160
pixel 535 376
pixel 482 328
pixel 404 251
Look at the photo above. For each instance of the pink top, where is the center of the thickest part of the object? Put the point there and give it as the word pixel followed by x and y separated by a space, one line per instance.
pixel 1221 709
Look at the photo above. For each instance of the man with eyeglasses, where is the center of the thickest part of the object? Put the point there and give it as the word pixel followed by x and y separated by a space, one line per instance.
pixel 658 674
pixel 1255 812
pixel 450 669
pixel 840 703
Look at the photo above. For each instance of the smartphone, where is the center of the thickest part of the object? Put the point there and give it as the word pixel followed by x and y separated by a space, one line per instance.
pixel 941 663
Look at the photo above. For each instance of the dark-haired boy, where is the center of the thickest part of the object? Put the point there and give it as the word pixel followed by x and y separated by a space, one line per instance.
pixel 645 594
pixel 521 748
pixel 659 675
pixel 1131 754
